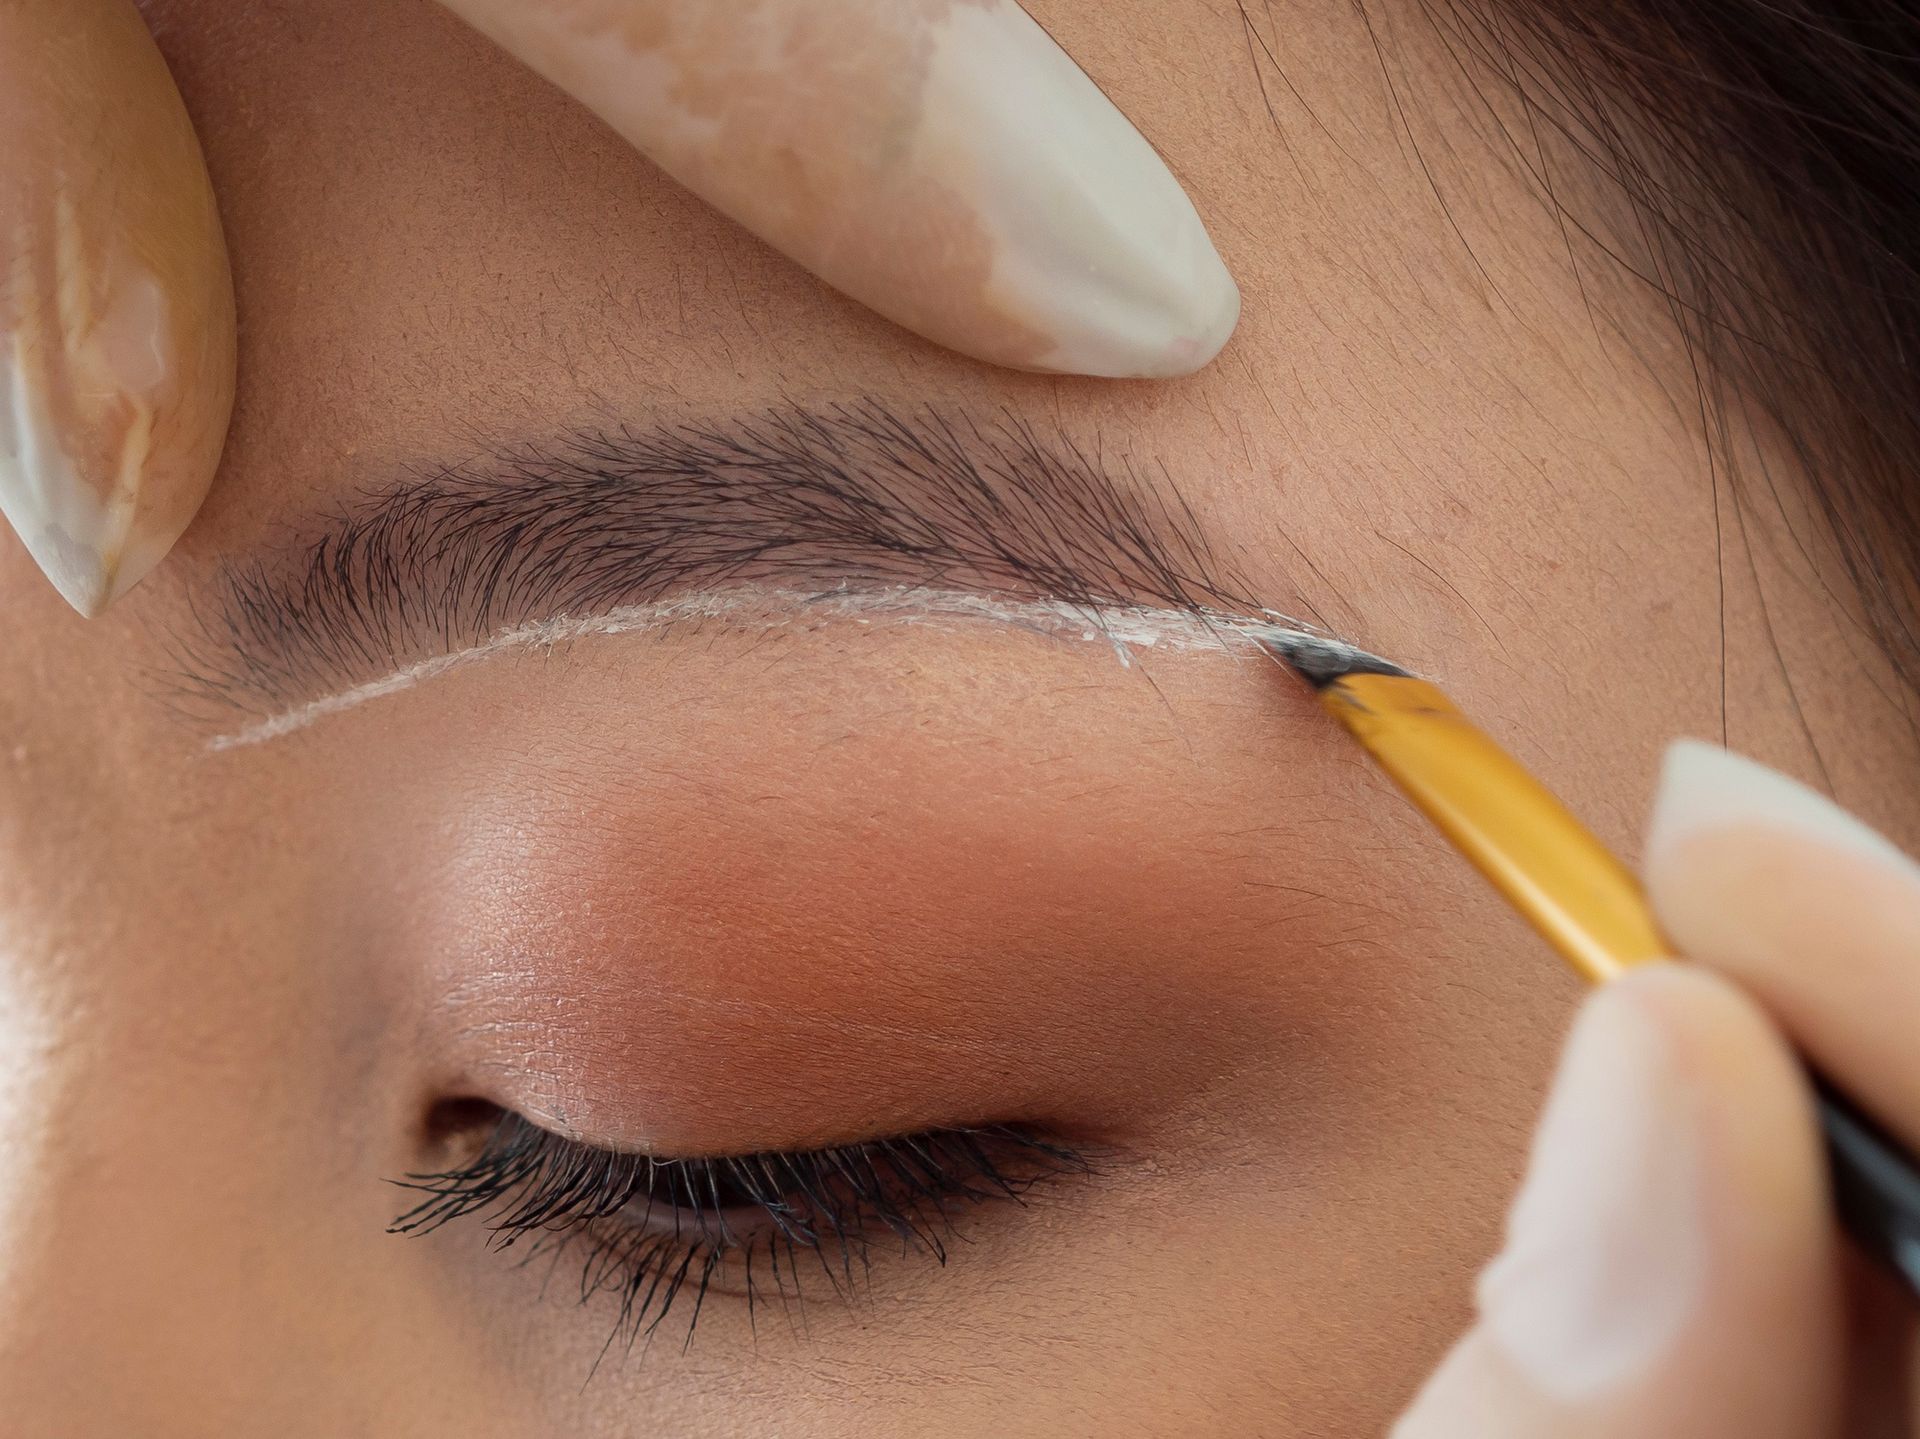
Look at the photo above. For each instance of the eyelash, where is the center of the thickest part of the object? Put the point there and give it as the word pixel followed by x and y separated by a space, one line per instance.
pixel 830 1204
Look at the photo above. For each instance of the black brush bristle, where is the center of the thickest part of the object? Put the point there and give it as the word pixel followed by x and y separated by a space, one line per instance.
pixel 1321 662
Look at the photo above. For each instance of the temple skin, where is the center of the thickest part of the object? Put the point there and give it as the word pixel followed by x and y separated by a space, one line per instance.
pixel 116 306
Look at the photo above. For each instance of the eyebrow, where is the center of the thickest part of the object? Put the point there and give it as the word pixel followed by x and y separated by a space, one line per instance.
pixel 848 497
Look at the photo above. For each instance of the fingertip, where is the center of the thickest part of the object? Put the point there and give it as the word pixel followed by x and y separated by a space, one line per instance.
pixel 1754 1115
pixel 1761 878
pixel 1703 1014
pixel 1672 1230
pixel 948 166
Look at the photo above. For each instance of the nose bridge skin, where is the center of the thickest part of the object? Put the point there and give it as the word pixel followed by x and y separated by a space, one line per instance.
pixel 149 1238
pixel 195 1135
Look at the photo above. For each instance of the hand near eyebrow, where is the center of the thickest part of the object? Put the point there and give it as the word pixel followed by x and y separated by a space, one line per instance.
pixel 116 309
pixel 1673 1268
pixel 941 161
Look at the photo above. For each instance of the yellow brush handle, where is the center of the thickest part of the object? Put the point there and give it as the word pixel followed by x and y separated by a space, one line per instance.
pixel 1569 886
pixel 1591 910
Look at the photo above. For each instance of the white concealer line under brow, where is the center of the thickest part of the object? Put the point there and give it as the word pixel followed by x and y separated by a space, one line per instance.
pixel 1123 627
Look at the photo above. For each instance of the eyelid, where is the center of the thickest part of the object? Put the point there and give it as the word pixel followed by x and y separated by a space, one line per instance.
pixel 672 938
pixel 829 1204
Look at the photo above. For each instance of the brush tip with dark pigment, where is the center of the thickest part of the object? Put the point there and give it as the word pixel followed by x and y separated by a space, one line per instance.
pixel 1322 662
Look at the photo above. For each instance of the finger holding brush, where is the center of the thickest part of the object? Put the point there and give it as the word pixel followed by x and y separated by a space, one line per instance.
pixel 1672 1266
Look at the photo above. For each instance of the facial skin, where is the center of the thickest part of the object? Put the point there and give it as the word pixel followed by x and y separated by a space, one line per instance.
pixel 722 889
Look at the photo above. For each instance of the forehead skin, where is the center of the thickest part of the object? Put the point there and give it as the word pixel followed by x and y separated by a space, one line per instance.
pixel 1428 430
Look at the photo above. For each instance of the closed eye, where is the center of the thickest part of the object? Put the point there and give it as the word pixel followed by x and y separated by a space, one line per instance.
pixel 654 1231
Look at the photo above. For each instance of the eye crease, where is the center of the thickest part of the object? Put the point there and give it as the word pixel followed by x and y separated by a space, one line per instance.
pixel 653 1230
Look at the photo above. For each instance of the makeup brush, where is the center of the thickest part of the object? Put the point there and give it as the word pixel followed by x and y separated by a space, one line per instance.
pixel 1572 890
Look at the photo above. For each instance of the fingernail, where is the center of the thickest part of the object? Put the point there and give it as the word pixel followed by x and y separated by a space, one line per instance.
pixel 1605 1252
pixel 116 309
pixel 947 165
pixel 1705 788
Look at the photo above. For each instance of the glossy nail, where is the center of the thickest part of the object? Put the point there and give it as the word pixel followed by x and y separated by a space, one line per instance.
pixel 1704 787
pixel 942 161
pixel 116 307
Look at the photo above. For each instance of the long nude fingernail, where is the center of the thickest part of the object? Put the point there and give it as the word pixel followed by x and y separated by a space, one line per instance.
pixel 116 307
pixel 942 161
pixel 1761 878
pixel 1704 787
pixel 1606 1250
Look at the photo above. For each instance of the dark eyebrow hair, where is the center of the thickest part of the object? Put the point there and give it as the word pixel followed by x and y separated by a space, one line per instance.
pixel 851 495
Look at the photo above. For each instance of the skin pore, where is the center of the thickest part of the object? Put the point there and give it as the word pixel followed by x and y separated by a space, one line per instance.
pixel 723 888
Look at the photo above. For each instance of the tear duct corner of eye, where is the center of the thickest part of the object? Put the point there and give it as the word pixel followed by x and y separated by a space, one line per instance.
pixel 116 306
